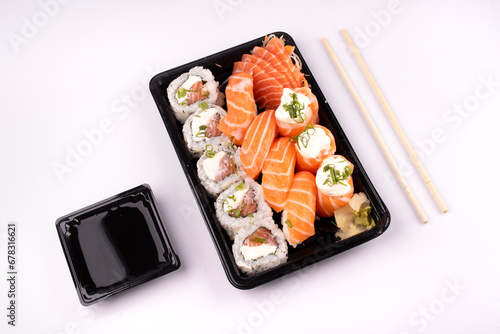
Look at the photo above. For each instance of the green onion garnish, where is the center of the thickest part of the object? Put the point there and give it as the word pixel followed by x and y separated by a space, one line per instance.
pixel 181 92
pixel 288 223
pixel 240 186
pixel 202 132
pixel 209 151
pixel 223 202
pixel 258 239
pixel 304 137
pixel 237 213
pixel 335 176
pixel 203 105
pixel 294 109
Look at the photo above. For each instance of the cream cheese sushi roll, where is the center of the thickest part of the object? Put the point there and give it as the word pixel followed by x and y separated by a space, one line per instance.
pixel 241 205
pixel 259 247
pixel 219 168
pixel 335 185
pixel 293 114
pixel 314 144
pixel 192 87
pixel 201 129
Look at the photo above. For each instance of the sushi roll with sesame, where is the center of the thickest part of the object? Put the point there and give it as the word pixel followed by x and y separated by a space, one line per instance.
pixel 241 205
pixel 185 92
pixel 201 129
pixel 259 247
pixel 219 168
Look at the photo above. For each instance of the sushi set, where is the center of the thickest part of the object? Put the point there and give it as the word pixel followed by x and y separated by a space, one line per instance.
pixel 277 182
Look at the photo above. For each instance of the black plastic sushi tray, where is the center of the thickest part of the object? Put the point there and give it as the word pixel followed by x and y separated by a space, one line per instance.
pixel 317 248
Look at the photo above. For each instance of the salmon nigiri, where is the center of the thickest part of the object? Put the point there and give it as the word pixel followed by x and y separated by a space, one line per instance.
pixel 257 143
pixel 314 144
pixel 277 173
pixel 241 109
pixel 299 215
pixel 334 184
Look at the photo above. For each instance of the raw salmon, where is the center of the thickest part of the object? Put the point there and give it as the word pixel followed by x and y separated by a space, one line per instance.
pixel 226 168
pixel 196 93
pixel 277 173
pixel 277 47
pixel 247 206
pixel 277 63
pixel 267 67
pixel 257 143
pixel 310 158
pixel 299 215
pixel 212 130
pixel 241 109
pixel 259 237
pixel 266 89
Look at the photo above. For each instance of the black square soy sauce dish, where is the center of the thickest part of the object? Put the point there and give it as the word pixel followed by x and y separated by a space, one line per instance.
pixel 116 244
pixel 324 244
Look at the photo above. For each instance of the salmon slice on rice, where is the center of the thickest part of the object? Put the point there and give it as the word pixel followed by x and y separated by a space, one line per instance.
pixel 257 143
pixel 299 214
pixel 278 172
pixel 241 108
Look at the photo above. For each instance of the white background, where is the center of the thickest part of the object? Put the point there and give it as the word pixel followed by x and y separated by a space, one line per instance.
pixel 67 67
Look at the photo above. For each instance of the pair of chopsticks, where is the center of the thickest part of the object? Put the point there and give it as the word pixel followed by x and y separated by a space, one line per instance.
pixel 399 130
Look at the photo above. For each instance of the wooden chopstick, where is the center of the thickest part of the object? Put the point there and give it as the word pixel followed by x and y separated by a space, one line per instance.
pixel 397 127
pixel 376 132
